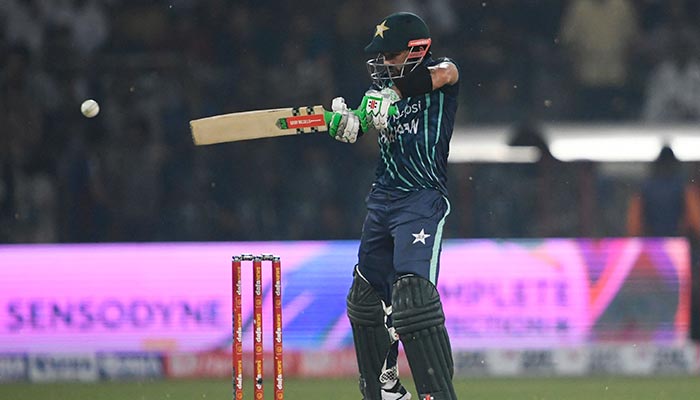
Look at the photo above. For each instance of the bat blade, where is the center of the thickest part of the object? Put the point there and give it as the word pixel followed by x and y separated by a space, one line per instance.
pixel 258 124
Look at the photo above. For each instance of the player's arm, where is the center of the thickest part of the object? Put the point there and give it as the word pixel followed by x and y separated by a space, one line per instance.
pixel 425 79
pixel 445 73
pixel 375 106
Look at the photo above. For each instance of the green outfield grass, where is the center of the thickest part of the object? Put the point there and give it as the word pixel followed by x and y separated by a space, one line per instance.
pixel 589 388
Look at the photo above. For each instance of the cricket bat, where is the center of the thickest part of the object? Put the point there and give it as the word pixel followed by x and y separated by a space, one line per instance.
pixel 259 124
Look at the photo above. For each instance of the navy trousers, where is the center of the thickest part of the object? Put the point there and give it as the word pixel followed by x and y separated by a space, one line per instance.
pixel 401 235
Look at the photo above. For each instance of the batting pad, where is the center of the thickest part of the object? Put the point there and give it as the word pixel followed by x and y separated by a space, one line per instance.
pixel 420 323
pixel 371 337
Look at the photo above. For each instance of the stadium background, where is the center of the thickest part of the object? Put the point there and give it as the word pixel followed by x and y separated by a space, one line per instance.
pixel 132 174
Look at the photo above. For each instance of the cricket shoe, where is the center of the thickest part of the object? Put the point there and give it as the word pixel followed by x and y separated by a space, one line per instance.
pixel 396 392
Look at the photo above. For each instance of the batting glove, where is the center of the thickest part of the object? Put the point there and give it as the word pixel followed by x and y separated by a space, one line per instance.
pixel 374 109
pixel 344 124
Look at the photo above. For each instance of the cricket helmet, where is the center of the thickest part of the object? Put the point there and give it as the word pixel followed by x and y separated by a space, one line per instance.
pixel 397 32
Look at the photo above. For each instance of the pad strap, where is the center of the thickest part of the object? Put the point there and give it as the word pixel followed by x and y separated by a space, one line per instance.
pixel 420 323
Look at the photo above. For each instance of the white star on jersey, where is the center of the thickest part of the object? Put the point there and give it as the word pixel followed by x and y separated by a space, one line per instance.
pixel 420 236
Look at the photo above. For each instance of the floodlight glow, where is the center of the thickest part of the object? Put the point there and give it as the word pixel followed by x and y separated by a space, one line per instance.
pixel 489 145
pixel 578 142
pixel 609 148
pixel 686 148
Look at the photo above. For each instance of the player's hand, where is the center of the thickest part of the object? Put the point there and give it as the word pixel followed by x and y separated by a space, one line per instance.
pixel 375 108
pixel 344 124
pixel 338 105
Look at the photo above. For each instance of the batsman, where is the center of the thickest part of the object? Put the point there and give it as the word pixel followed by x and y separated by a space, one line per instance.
pixel 411 104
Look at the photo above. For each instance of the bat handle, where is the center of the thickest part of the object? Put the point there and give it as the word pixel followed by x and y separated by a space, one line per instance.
pixel 327 116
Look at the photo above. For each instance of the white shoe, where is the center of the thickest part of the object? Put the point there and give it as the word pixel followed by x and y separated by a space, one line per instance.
pixel 397 392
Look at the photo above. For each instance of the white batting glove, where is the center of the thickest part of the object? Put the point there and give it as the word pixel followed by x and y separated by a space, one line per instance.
pixel 338 105
pixel 348 128
pixel 344 125
pixel 376 105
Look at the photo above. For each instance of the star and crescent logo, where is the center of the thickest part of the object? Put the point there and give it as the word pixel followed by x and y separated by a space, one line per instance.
pixel 380 29
pixel 420 236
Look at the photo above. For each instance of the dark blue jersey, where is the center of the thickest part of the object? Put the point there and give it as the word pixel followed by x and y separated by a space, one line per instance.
pixel 414 148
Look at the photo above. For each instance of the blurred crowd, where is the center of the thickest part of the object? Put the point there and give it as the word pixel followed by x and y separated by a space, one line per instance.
pixel 132 173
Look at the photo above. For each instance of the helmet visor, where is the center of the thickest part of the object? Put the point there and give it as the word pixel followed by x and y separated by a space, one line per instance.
pixel 383 73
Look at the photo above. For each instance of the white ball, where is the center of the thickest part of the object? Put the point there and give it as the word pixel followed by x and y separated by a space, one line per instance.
pixel 90 108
